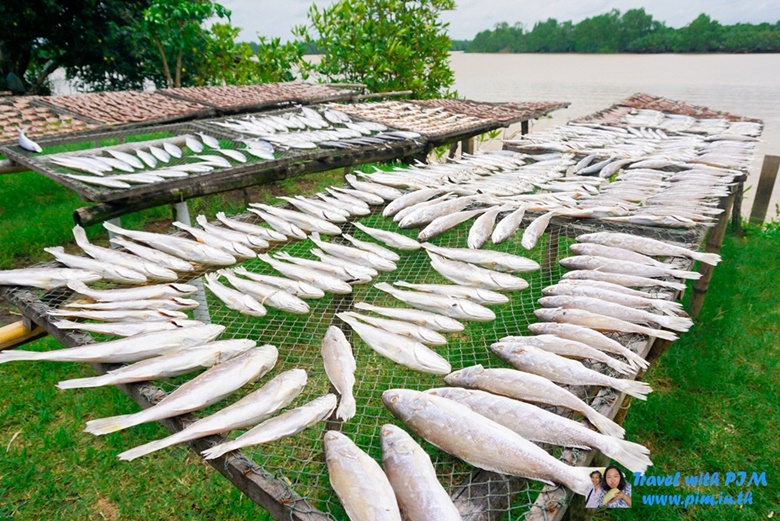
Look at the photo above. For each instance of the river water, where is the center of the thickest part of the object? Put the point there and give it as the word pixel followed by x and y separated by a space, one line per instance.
pixel 744 84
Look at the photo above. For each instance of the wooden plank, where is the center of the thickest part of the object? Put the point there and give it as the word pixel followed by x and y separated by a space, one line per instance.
pixel 17 334
pixel 766 184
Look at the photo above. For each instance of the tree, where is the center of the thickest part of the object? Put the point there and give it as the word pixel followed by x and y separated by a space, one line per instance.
pixel 175 28
pixel 388 45
pixel 701 35
pixel 598 34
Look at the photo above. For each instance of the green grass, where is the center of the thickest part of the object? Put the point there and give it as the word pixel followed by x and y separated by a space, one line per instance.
pixel 714 403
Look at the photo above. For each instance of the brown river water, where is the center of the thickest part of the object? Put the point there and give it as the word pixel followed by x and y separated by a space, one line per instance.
pixel 743 84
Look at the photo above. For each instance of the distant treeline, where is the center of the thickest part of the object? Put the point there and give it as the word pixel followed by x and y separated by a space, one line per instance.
pixel 634 31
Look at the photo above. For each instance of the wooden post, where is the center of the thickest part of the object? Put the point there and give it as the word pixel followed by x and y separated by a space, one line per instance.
pixel 524 127
pixel 712 245
pixel 736 211
pixel 766 184
pixel 468 146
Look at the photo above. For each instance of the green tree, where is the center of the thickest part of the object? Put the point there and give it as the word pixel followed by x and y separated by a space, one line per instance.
pixel 634 25
pixel 701 35
pixel 388 45
pixel 176 27
pixel 598 34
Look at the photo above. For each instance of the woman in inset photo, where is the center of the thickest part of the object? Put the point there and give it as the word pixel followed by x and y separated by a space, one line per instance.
pixel 592 495
pixel 615 491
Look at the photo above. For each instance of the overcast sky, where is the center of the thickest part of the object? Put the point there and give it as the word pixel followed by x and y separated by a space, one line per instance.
pixel 275 18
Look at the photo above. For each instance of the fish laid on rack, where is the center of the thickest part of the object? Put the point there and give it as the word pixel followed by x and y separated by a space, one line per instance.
pixel 46 278
pixel 495 260
pixel 280 225
pixel 130 349
pixel 415 332
pixel 249 410
pixel 362 257
pixel 173 363
pixel 288 423
pixel 372 247
pixel 333 215
pixel 433 321
pixel 647 246
pixel 340 366
pixel 148 269
pixel 355 208
pixel 125 329
pixel 410 199
pixel 457 308
pixel 536 424
pixel 581 317
pixel 358 480
pixel 317 279
pixel 294 287
pixel 207 388
pixel 471 275
pixel 614 293
pixel 364 271
pixel 530 388
pixel 234 299
pixel 536 229
pixel 174 303
pixel 400 349
pixel 366 197
pixel 459 431
pixel 570 349
pixel 391 239
pixel 236 249
pixel 385 192
pixel 622 279
pixel 483 227
pixel 600 250
pixel 480 296
pixel 428 213
pixel 165 260
pixel 177 246
pixel 105 270
pixel 157 291
pixel 562 370
pixel 348 275
pixel 121 315
pixel 263 233
pixel 267 295
pixel 619 311
pixel 588 262
pixel 411 473
pixel 252 241
pixel 305 222
pixel 446 222
pixel 507 226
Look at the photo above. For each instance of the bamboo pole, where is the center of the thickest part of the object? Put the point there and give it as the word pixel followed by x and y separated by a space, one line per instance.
pixel 10 167
pixel 16 334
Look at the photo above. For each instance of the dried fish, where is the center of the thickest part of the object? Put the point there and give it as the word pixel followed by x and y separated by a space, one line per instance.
pixel 165 260
pixel 294 287
pixel 234 299
pixel 470 275
pixel 457 308
pixel 391 239
pixel 317 279
pixel 46 278
pixel 267 295
pixel 340 367
pixel 647 246
pixel 140 293
pixel 427 319
pixel 496 260
pixel 105 270
pixel 599 322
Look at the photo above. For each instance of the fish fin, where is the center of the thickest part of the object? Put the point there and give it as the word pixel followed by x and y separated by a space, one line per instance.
pixel 81 236
pixel 682 274
pixel 216 451
pixel 707 258
pixel 113 228
pixel 677 323
pixel 347 408
pixel 636 389
pixel 80 383
pixel 111 424
pixel 605 425
pixel 631 455
pixel 666 335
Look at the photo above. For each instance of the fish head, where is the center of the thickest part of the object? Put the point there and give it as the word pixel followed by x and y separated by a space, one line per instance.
pixel 464 377
pixel 396 441
pixel 451 393
pixel 184 289
pixel 404 403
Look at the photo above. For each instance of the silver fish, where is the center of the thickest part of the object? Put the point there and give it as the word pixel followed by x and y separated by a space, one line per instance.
pixel 600 250
pixel 345 193
pixel 340 366
pixel 122 315
pixel 165 260
pixel 317 279
pixel 208 140
pixel 177 246
pixel 252 241
pixel 160 154
pixel 173 363
pixel 125 329
pixel 236 249
pixel 622 279
pixel 340 272
pixel 110 272
pixel 140 293
pixel 427 319
pixel 483 227
pixel 589 262
pixel 617 297
pixel 599 322
pixel 373 248
pixel 362 257
pixel 147 158
pixel 265 234
pixel 471 437
pixel 428 213
pixel 172 149
pixel 213 160
pixel 480 296
pixel 562 370
pixel 118 164
pixel 110 183
pixel 303 221
pixel 530 388
pixel 407 329
pixel 391 239
pixel 137 264
pixel 536 229
pixel 456 308
pixel 294 287
pixel 234 299
pixel 399 349
pixel 354 209
pixel 358 481
pixel 507 226
pixel 496 260
pixel 305 206
pixel 267 295
pixel 130 349
pixel 410 199
pixel 536 424
pixel 205 389
pixel 279 224
pixel 385 192
pixel 365 271
pixel 570 349
pixel 419 207
pixel 249 410
pixel 470 275
pixel 413 478
pixel 446 222
pixel 127 158
pixel 45 278
pixel 647 246
pixel 286 424
pixel 193 144
pixel 235 155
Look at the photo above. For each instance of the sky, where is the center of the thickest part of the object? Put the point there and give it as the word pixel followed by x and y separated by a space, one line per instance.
pixel 276 18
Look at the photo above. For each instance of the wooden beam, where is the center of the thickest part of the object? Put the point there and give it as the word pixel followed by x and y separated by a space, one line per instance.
pixel 736 211
pixel 9 167
pixel 766 184
pixel 17 334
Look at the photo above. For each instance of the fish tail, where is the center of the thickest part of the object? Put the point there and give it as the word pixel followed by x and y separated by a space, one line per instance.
pixel 683 274
pixel 79 383
pixel 264 257
pixel 621 367
pixel 668 307
pixel 384 286
pixel 660 333
pixel 81 236
pixel 676 323
pixel 148 448
pixel 674 285
pixel 636 389
pixel 217 451
pixel 112 228
pixel 112 424
pixel 347 408
pixel 604 424
pixel 707 258
pixel 631 455
pixel 580 482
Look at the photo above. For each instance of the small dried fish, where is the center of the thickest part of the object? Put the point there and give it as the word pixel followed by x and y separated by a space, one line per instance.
pixel 234 299
pixel 391 239
pixel 621 279
pixel 372 248
pixel 480 296
pixel 589 262
pixel 122 315
pixel 236 249
pixel 140 293
pixel 362 257
pixel 407 329
pixel 252 241
pixel 340 367
pixel 647 246
pixel 457 308
pixel 294 287
pixel 46 278
pixel 125 329
pixel 165 260
pixel 317 279
pixel 507 226
pixel 264 233
pixel 105 270
pixel 598 322
pixel 496 260
pixel 282 226
pixel 470 275
pixel 433 321
pixel 267 295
